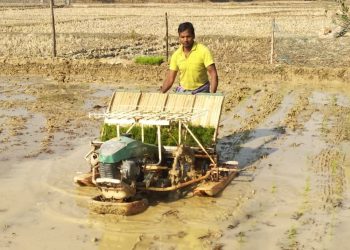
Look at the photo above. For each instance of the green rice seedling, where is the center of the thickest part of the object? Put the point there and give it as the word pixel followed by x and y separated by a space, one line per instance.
pixel 108 132
pixel 273 188
pixel 169 134
pixel 149 60
pixel 241 237
pixel 292 236
pixel 307 187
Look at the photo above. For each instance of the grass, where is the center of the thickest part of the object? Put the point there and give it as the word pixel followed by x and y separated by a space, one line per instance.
pixel 292 242
pixel 292 232
pixel 273 188
pixel 241 237
pixel 307 187
pixel 342 18
pixel 149 60
pixel 306 206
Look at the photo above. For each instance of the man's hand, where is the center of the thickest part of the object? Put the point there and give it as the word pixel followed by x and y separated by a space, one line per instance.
pixel 169 80
pixel 214 79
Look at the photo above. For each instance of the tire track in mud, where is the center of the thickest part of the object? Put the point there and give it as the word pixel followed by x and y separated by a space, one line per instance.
pixel 330 163
pixel 258 217
pixel 261 126
pixel 316 215
pixel 323 210
pixel 329 167
pixel 243 119
pixel 300 112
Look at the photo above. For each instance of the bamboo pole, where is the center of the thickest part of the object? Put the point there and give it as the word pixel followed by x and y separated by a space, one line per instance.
pixel 54 52
pixel 166 36
pixel 272 41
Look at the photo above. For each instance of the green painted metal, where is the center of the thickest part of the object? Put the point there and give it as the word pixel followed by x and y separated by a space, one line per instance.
pixel 124 148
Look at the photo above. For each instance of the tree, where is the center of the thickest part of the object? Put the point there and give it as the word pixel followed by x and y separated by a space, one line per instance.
pixel 342 18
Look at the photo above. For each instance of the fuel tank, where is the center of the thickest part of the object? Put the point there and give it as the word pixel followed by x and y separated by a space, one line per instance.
pixel 124 148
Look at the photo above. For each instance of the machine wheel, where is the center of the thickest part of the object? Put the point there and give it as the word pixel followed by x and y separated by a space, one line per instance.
pixel 100 206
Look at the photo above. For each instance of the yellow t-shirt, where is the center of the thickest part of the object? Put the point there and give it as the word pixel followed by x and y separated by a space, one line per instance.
pixel 193 69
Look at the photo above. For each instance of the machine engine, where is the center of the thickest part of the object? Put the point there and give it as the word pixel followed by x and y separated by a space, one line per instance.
pixel 130 172
pixel 117 159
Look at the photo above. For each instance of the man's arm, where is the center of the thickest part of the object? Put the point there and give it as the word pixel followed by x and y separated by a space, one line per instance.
pixel 214 79
pixel 169 80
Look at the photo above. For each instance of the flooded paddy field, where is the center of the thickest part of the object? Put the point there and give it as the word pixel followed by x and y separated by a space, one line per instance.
pixel 287 124
pixel 294 141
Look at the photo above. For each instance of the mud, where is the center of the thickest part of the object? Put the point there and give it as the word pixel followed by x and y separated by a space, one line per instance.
pixel 287 124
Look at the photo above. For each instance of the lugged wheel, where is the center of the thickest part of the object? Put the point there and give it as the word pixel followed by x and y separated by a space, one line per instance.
pixel 101 206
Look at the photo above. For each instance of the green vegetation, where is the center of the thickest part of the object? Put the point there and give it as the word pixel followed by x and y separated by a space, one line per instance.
pixel 307 187
pixel 292 232
pixel 108 132
pixel 342 18
pixel 149 60
pixel 306 206
pixel 347 126
pixel 292 236
pixel 273 188
pixel 241 236
pixel 169 134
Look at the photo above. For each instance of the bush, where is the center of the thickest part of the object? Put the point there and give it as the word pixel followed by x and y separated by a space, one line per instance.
pixel 149 60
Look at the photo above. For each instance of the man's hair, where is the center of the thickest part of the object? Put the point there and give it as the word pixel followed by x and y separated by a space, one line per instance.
pixel 186 26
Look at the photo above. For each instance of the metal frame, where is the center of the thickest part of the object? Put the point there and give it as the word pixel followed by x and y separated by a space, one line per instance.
pixel 145 116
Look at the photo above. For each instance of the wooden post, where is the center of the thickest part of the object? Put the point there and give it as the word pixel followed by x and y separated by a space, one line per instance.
pixel 272 40
pixel 166 37
pixel 54 52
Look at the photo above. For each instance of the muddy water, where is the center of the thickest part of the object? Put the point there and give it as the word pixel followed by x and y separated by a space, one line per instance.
pixel 193 222
pixel 167 223
pixel 41 208
pixel 28 189
pixel 43 146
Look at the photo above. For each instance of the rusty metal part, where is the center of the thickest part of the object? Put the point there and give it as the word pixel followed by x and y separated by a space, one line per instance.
pixel 84 179
pixel 181 185
pixel 199 144
pixel 155 167
pixel 118 192
pixel 213 188
pixel 93 179
pixel 183 156
pixel 226 169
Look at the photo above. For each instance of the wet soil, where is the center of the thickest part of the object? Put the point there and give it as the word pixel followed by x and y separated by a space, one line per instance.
pixel 287 124
pixel 293 140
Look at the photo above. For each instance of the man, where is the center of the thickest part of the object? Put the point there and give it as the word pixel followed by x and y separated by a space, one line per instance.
pixel 195 63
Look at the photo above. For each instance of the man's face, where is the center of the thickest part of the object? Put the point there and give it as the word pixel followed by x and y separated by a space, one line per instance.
pixel 186 39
